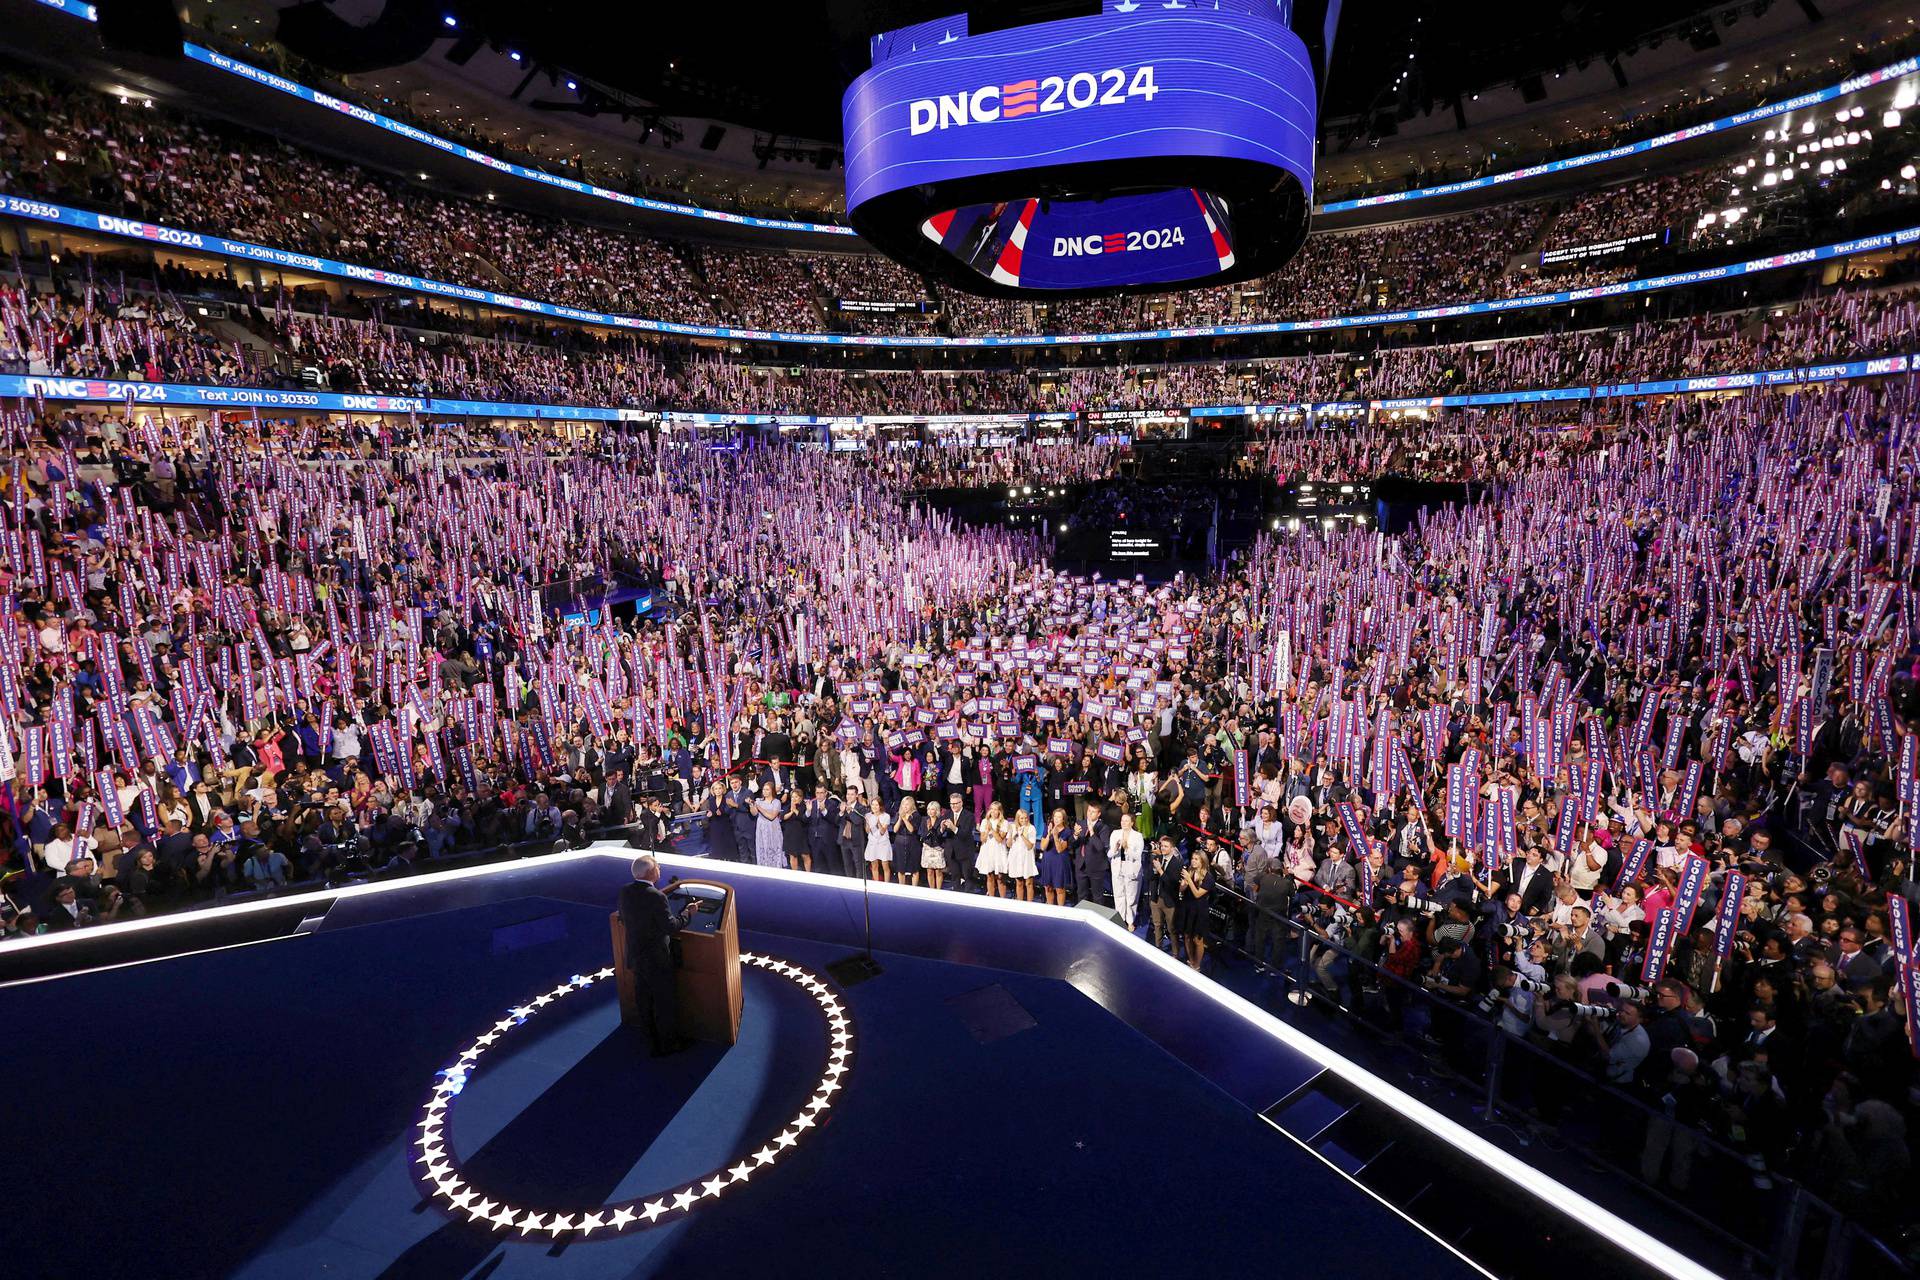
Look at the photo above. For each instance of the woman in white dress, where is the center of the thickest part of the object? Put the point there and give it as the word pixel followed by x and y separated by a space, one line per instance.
pixel 992 862
pixel 1022 866
pixel 879 842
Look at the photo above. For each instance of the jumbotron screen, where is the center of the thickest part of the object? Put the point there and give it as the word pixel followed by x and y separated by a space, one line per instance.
pixel 1146 145
pixel 1091 244
pixel 1129 542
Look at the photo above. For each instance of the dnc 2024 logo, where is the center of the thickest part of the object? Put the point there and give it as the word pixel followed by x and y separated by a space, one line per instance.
pixel 1038 97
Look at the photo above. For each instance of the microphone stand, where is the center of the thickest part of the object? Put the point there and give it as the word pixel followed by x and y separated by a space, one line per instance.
pixel 856 969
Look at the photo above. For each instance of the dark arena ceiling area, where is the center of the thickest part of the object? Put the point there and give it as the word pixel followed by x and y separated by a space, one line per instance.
pixel 782 68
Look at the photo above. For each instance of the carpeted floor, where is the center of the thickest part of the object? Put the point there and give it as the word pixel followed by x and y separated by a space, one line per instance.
pixel 246 1112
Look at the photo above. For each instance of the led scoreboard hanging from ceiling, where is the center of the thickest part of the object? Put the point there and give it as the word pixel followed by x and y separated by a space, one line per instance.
pixel 1155 144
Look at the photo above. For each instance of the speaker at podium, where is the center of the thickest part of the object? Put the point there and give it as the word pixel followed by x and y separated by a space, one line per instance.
pixel 707 981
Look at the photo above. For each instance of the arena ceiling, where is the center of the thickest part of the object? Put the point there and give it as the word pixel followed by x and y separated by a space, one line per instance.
pixel 783 68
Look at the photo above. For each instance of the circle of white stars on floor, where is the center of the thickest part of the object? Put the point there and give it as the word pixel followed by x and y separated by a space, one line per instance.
pixel 438 1169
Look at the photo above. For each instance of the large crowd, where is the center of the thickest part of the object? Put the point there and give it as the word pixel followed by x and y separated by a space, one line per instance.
pixel 1617 757
pixel 88 328
pixel 1661 663
pixel 71 144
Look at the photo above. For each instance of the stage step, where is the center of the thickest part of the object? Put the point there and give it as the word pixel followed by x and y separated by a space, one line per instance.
pixel 1456 1199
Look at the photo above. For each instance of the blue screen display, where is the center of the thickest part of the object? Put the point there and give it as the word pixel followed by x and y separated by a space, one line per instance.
pixel 1090 244
pixel 1136 83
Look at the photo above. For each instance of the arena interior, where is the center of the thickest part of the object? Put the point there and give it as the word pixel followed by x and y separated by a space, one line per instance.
pixel 1297 620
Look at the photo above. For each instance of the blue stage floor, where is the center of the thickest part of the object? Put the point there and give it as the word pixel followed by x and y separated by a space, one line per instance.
pixel 247 1112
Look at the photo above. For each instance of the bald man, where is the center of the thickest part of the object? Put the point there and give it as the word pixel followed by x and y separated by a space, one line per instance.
pixel 650 925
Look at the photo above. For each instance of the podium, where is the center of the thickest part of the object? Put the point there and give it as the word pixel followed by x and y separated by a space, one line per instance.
pixel 708 979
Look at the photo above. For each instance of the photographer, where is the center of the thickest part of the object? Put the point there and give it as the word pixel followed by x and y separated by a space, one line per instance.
pixel 1627 1044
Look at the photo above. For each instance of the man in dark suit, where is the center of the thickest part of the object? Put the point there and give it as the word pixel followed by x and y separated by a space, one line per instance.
pixel 650 925
pixel 1532 879
pixel 1092 876
pixel 615 797
pixel 823 832
pixel 962 842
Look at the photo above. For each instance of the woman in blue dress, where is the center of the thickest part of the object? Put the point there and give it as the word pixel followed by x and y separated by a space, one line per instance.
pixel 769 850
pixel 1056 859
pixel 719 824
pixel 907 839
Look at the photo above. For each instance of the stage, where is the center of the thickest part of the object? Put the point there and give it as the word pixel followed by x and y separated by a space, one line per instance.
pixel 1020 1097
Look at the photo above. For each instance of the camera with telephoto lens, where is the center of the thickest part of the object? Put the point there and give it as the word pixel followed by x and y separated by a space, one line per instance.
pixel 1600 1011
pixel 1425 906
pixel 1627 991
pixel 1518 931
pixel 1532 984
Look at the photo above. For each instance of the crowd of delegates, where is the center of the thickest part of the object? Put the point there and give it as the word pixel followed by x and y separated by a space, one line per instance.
pixel 104 333
pixel 86 328
pixel 1659 669
pixel 1656 204
pixel 76 145
pixel 1697 102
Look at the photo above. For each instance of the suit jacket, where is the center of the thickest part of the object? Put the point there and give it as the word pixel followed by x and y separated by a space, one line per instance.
pixel 650 925
pixel 617 803
pixel 965 837
pixel 823 824
pixel 1539 894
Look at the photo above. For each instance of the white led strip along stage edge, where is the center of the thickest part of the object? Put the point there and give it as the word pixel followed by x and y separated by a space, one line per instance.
pixel 438 1168
pixel 245 250
pixel 1655 1252
pixel 1798 102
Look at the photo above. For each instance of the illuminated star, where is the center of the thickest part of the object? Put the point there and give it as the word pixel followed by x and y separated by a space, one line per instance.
pixel 591 1222
pixel 541 1002
pixel 464 1199
pixel 804 1122
pixel 487 1039
pixel 713 1186
pixel 741 1172
pixel 605 973
pixel 685 1199
pixel 530 1223
pixel 561 1224
pixel 786 1139
pixel 818 1104
pixel 482 1212
pixel 829 1086
pixel 621 1217
pixel 763 1156
pixel 438 1167
pixel 505 1215
pixel 654 1209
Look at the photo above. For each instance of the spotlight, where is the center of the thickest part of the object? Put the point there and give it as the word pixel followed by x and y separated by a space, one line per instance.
pixel 1891 120
pixel 513 55
pixel 450 20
